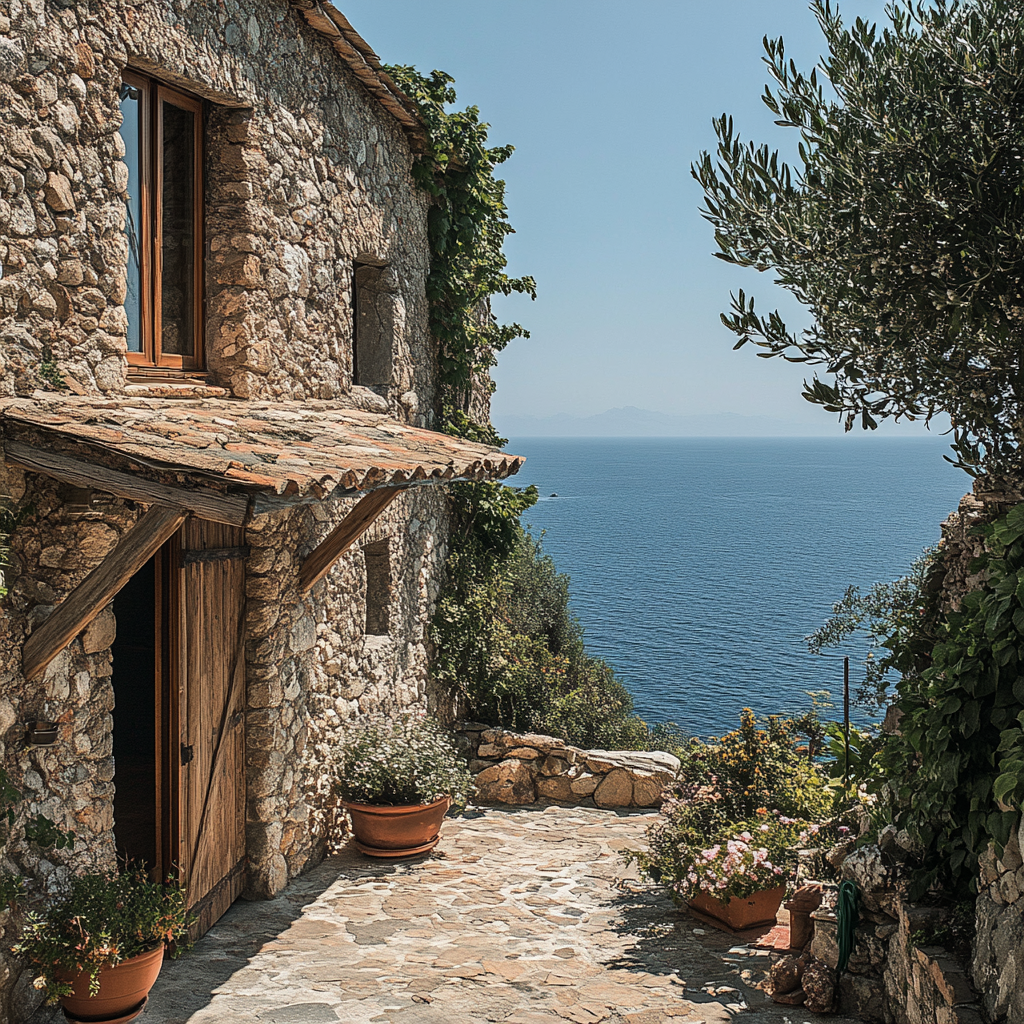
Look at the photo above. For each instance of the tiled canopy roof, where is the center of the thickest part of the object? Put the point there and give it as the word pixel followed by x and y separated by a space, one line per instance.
pixel 289 450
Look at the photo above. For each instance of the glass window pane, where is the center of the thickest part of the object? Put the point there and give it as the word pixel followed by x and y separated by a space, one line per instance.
pixel 131 132
pixel 178 241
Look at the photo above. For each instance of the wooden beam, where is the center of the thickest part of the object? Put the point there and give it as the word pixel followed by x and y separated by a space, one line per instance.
pixel 318 563
pixel 231 509
pixel 98 589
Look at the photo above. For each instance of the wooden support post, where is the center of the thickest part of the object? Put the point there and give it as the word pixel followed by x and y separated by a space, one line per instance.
pixel 231 509
pixel 318 564
pixel 99 588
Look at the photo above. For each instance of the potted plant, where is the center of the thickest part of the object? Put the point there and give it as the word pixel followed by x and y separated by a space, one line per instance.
pixel 397 776
pixel 731 874
pixel 99 944
pixel 738 882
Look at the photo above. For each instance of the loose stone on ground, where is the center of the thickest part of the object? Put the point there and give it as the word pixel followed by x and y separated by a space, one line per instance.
pixel 525 919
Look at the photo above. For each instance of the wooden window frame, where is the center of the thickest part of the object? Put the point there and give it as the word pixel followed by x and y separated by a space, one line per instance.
pixel 152 357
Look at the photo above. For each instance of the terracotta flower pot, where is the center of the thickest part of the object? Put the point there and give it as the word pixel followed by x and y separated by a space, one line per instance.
pixel 397 831
pixel 124 989
pixel 740 912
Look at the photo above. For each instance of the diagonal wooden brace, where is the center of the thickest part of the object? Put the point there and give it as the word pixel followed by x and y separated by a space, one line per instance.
pixel 318 563
pixel 100 587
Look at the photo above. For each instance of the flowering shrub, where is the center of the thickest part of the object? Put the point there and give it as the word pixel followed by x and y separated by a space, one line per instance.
pixel 99 920
pixel 749 799
pixel 738 859
pixel 398 760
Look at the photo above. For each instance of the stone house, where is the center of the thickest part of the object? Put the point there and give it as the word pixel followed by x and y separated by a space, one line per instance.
pixel 217 388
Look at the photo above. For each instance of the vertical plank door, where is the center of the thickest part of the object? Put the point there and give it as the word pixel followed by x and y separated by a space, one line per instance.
pixel 211 715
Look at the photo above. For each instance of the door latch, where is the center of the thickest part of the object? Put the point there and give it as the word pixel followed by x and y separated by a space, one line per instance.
pixel 187 753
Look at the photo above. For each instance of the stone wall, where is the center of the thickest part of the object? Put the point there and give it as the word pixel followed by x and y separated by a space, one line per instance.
pixel 526 768
pixel 924 982
pixel 989 499
pixel 305 173
pixel 311 666
pixel 898 971
pixel 71 782
pixel 998 965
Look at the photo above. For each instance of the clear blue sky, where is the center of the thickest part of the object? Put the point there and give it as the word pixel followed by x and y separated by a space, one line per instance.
pixel 607 104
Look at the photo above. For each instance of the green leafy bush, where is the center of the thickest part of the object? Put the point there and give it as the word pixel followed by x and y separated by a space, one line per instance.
pixel 99 920
pixel 864 772
pixel 955 770
pixel 746 800
pixel 761 766
pixel 398 760
pixel 508 643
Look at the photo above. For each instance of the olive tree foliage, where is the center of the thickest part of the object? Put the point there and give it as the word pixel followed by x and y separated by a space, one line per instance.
pixel 901 224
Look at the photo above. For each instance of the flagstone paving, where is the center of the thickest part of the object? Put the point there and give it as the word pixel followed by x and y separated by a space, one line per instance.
pixel 524 917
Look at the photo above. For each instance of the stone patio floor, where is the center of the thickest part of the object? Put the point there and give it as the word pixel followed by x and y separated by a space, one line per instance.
pixel 521 916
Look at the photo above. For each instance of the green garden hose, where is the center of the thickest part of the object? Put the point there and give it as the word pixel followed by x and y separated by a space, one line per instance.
pixel 846 919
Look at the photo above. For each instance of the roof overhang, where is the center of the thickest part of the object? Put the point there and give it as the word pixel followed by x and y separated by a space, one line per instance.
pixel 325 18
pixel 223 460
pixel 228 460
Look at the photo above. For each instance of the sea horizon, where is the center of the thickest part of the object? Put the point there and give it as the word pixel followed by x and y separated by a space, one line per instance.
pixel 699 565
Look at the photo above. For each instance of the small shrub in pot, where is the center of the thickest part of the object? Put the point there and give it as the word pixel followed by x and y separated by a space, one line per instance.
pixel 98 921
pixel 397 776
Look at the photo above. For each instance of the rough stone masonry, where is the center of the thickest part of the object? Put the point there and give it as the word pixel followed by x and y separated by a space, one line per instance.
pixel 306 176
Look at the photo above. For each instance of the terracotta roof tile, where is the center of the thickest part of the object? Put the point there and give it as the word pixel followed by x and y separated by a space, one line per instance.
pixel 304 450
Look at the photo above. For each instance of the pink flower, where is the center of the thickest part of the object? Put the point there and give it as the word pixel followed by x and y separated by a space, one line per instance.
pixel 764 828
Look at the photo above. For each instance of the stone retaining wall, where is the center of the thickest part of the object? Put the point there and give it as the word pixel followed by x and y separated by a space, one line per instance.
pixel 898 972
pixel 998 964
pixel 526 768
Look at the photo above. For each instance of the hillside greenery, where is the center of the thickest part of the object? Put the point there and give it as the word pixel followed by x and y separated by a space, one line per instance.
pixel 507 644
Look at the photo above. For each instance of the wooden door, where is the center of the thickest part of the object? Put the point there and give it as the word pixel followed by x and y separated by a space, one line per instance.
pixel 211 717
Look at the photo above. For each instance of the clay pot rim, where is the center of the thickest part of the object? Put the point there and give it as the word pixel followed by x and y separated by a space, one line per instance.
pixel 151 948
pixel 728 899
pixel 392 808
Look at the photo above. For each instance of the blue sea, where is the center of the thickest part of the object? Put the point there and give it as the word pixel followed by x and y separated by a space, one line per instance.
pixel 699 565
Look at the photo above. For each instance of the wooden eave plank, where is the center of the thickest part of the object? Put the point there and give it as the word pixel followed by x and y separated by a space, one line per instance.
pixel 100 587
pixel 319 562
pixel 230 509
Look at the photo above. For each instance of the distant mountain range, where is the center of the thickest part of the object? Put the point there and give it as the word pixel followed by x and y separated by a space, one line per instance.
pixel 630 421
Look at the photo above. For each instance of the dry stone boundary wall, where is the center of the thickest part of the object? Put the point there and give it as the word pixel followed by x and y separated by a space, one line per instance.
pixel 527 768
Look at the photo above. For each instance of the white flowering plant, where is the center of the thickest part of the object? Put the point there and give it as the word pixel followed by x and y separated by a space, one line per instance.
pixel 398 760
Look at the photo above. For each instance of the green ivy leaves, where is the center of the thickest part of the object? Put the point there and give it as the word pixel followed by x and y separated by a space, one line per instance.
pixel 956 770
pixel 467 226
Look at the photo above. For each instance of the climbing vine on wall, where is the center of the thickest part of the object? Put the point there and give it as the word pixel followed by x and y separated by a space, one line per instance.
pixel 956 769
pixel 467 226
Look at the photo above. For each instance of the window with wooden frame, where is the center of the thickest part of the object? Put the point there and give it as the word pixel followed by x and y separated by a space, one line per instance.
pixel 163 137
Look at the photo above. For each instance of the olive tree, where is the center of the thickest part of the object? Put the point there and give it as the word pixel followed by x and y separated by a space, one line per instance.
pixel 900 226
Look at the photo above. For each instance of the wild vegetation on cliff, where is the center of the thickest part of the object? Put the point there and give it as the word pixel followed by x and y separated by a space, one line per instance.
pixel 507 643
